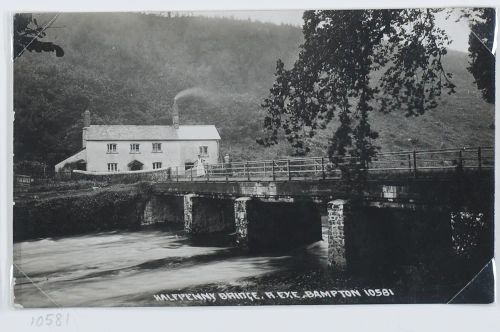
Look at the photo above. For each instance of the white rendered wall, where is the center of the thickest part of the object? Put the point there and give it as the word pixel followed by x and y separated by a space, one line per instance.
pixel 174 153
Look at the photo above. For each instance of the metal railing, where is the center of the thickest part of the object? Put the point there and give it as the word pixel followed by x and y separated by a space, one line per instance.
pixel 412 163
pixel 293 168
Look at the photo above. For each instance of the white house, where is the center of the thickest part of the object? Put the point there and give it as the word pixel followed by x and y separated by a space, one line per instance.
pixel 115 148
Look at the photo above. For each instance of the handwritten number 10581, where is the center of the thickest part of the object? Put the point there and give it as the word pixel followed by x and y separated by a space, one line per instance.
pixel 50 320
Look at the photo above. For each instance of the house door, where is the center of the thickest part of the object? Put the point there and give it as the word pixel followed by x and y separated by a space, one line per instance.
pixel 135 165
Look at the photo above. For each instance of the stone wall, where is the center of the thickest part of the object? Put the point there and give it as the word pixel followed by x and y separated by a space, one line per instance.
pixel 161 175
pixel 79 213
pixel 339 213
pixel 472 235
pixel 241 206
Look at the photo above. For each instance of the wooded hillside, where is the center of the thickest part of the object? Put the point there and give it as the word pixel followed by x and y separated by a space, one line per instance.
pixel 127 69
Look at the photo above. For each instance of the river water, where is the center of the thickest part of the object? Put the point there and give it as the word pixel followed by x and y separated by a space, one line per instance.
pixel 135 268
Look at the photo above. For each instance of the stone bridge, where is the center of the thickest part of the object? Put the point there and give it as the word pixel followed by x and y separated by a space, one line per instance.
pixel 387 213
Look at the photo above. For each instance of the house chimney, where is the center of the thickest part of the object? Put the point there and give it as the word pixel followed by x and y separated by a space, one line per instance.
pixel 86 125
pixel 86 119
pixel 175 115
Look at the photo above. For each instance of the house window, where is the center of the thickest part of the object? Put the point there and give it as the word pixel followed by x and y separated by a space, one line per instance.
pixel 156 165
pixel 156 147
pixel 204 150
pixel 112 167
pixel 134 148
pixel 112 148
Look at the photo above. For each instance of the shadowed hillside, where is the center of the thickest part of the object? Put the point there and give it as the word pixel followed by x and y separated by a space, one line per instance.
pixel 127 69
pixel 461 119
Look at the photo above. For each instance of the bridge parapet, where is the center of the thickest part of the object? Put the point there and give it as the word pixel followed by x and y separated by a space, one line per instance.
pixel 443 188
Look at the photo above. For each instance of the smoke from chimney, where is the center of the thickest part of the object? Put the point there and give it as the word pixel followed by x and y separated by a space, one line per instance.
pixel 186 93
pixel 192 92
pixel 175 115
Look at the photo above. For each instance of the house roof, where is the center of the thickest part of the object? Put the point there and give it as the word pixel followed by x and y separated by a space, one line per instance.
pixel 160 133
pixel 76 158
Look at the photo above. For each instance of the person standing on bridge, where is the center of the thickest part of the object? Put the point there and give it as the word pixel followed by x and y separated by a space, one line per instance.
pixel 227 165
pixel 200 166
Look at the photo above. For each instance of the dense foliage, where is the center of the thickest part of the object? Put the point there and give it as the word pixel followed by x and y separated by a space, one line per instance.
pixel 481 40
pixel 28 35
pixel 332 77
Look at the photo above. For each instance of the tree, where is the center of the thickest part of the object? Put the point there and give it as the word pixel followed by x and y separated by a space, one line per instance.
pixel 333 77
pixel 481 53
pixel 27 35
